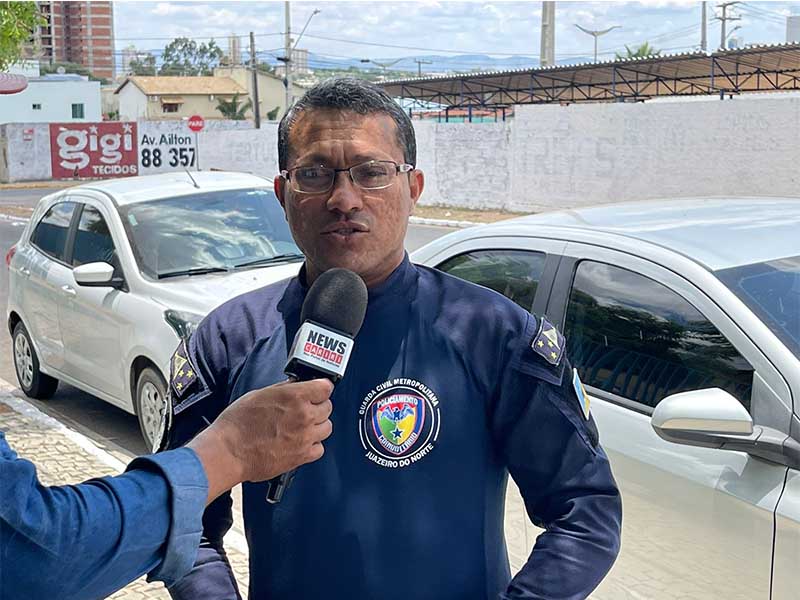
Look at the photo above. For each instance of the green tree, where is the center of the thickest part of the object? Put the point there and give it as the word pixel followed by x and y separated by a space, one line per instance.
pixel 184 56
pixel 273 114
pixel 18 20
pixel 144 65
pixel 230 109
pixel 641 51
pixel 265 67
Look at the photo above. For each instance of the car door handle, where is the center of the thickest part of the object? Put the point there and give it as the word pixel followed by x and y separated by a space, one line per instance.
pixel 26 272
pixel 68 290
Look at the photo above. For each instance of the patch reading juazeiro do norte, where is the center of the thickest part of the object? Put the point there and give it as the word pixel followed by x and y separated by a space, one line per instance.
pixel 399 423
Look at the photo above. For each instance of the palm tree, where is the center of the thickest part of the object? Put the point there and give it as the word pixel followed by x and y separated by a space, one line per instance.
pixel 230 109
pixel 642 51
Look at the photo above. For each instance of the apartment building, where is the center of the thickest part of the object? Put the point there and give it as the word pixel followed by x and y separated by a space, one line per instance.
pixel 80 32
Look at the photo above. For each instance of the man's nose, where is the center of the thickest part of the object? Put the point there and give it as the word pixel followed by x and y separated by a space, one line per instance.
pixel 345 196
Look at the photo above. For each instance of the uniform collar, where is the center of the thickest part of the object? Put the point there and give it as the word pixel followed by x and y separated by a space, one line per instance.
pixel 400 283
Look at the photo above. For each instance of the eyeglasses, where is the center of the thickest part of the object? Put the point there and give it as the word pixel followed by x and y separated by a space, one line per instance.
pixel 371 175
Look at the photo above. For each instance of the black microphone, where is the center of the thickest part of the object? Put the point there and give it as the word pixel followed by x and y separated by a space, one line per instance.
pixel 331 317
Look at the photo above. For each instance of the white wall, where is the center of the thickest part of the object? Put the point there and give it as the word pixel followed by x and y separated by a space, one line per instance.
pixel 591 154
pixel 56 99
pixel 546 157
pixel 25 152
pixel 132 103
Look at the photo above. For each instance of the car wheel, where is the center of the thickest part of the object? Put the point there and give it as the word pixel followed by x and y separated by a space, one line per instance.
pixel 151 401
pixel 33 382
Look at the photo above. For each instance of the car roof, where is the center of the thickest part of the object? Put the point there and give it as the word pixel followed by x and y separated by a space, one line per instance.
pixel 718 233
pixel 129 190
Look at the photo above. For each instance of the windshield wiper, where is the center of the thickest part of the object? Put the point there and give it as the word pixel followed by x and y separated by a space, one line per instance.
pixel 272 259
pixel 195 271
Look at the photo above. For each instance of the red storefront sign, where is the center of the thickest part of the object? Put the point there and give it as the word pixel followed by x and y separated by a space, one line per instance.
pixel 93 150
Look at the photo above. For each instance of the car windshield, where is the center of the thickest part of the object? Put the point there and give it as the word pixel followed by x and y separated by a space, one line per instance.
pixel 772 291
pixel 209 232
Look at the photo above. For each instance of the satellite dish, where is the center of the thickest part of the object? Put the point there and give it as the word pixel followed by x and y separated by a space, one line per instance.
pixel 12 84
pixel 61 70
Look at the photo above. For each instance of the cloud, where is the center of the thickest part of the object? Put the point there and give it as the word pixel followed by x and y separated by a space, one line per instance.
pixel 486 26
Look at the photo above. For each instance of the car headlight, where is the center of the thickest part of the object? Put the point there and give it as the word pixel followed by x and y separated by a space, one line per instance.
pixel 182 322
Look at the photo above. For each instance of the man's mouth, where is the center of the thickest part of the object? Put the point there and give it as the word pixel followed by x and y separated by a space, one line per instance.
pixel 345 230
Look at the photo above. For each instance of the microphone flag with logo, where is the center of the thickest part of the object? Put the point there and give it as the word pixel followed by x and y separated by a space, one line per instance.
pixel 330 319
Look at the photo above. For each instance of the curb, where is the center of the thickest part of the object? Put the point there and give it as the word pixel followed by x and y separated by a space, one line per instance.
pixel 442 222
pixel 27 185
pixel 20 220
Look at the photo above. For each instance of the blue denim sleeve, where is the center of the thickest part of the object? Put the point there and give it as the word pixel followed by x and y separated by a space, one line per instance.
pixel 89 540
pixel 189 491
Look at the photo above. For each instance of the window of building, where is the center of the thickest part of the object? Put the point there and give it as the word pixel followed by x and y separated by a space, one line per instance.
pixel 636 338
pixel 170 107
pixel 50 235
pixel 513 273
pixel 36 107
pixel 93 241
pixel 77 111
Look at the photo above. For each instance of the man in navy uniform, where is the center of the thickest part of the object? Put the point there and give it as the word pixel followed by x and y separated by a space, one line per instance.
pixel 450 387
pixel 86 541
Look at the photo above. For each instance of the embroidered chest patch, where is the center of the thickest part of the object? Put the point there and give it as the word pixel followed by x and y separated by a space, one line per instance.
pixel 399 423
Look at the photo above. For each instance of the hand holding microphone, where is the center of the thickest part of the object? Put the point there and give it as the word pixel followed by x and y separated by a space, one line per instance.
pixel 331 317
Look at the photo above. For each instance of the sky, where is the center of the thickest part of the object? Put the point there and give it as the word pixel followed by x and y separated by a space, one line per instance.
pixel 388 30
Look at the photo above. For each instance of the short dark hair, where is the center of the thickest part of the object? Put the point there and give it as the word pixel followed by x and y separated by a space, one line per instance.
pixel 357 95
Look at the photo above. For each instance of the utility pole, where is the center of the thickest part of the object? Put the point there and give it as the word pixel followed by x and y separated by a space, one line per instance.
pixel 596 33
pixel 254 69
pixel 724 21
pixel 548 45
pixel 703 32
pixel 287 80
pixel 419 65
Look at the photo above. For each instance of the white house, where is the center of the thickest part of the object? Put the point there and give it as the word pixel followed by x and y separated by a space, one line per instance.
pixel 175 98
pixel 51 98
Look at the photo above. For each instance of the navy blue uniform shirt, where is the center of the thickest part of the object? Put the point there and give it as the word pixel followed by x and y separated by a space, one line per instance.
pixel 443 397
pixel 89 540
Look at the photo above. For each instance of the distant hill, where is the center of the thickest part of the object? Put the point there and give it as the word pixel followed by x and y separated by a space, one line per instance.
pixel 433 64
pixel 462 63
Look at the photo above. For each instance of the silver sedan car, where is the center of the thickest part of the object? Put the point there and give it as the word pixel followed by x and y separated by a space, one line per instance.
pixel 683 320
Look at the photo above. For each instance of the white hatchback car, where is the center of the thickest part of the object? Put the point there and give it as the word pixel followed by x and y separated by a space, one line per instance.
pixel 108 277
pixel 683 320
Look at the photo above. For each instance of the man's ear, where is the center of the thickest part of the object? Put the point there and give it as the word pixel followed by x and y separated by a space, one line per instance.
pixel 279 184
pixel 416 183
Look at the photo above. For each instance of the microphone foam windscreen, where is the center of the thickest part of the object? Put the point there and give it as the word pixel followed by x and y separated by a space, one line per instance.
pixel 337 299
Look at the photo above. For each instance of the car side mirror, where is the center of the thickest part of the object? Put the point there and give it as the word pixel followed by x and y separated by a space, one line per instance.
pixel 97 274
pixel 708 411
pixel 712 418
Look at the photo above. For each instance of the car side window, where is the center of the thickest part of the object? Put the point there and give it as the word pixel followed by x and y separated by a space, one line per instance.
pixel 93 241
pixel 634 337
pixel 513 273
pixel 50 235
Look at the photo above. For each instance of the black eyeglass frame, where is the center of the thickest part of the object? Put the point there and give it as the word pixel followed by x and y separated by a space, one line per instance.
pixel 399 168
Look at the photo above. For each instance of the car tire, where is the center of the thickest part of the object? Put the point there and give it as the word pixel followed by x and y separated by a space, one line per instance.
pixel 32 381
pixel 150 402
